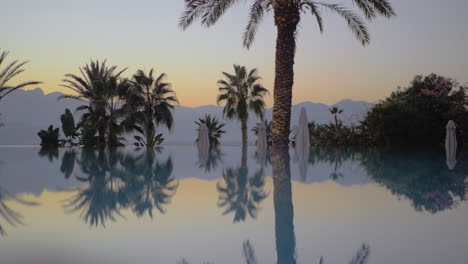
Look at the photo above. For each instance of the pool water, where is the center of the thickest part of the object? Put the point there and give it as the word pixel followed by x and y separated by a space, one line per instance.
pixel 174 205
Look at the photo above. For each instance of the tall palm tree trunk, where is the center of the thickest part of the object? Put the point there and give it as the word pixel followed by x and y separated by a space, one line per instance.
pixel 286 20
pixel 284 211
pixel 244 137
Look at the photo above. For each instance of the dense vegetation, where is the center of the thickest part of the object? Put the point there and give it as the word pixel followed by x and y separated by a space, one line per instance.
pixel 418 114
pixel 412 116
pixel 115 105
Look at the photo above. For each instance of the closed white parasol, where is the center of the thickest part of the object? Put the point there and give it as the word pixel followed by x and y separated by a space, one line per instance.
pixel 262 143
pixel 303 143
pixel 203 142
pixel 451 145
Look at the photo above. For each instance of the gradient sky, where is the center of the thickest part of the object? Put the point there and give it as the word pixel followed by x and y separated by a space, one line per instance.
pixel 59 36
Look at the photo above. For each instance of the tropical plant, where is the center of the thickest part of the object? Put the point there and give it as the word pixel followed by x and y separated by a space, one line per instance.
pixel 88 137
pixel 332 135
pixel 268 131
pixel 287 15
pixel 69 129
pixel 335 111
pixel 418 114
pixel 144 125
pixel 99 85
pixel 8 73
pixel 215 129
pixel 241 194
pixel 149 102
pixel 241 92
pixel 50 137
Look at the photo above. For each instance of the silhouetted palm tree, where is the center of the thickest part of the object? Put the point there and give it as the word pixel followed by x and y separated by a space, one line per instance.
pixel 241 194
pixel 241 92
pixel 99 85
pixel 335 111
pixel 150 102
pixel 8 73
pixel 215 129
pixel 287 15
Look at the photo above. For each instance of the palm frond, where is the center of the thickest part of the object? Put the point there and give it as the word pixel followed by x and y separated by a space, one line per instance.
pixel 362 255
pixel 257 11
pixel 316 13
pixel 373 7
pixel 355 24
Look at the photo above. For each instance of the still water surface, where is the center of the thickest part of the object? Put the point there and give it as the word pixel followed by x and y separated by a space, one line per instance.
pixel 172 205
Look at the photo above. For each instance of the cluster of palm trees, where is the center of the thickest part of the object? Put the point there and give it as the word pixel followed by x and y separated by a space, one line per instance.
pixel 115 104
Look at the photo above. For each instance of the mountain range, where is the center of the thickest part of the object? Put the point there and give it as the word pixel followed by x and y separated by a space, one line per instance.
pixel 24 113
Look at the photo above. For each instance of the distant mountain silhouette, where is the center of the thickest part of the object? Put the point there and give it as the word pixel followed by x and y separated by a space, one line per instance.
pixel 24 113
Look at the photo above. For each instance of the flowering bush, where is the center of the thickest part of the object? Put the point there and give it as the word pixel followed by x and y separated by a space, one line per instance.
pixel 417 115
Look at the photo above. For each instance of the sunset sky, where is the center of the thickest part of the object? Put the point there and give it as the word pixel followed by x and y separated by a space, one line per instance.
pixel 59 36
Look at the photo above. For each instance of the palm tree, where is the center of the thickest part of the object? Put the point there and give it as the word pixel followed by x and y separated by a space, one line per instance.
pixel 335 111
pixel 287 15
pixel 11 70
pixel 150 101
pixel 241 92
pixel 215 129
pixel 99 84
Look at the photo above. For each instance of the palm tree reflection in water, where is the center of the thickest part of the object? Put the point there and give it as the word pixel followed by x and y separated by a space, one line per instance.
pixel 241 194
pixel 236 186
pixel 116 181
pixel 215 157
pixel 9 215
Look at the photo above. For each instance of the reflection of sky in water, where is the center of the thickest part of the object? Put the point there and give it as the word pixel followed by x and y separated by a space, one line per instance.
pixel 407 209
